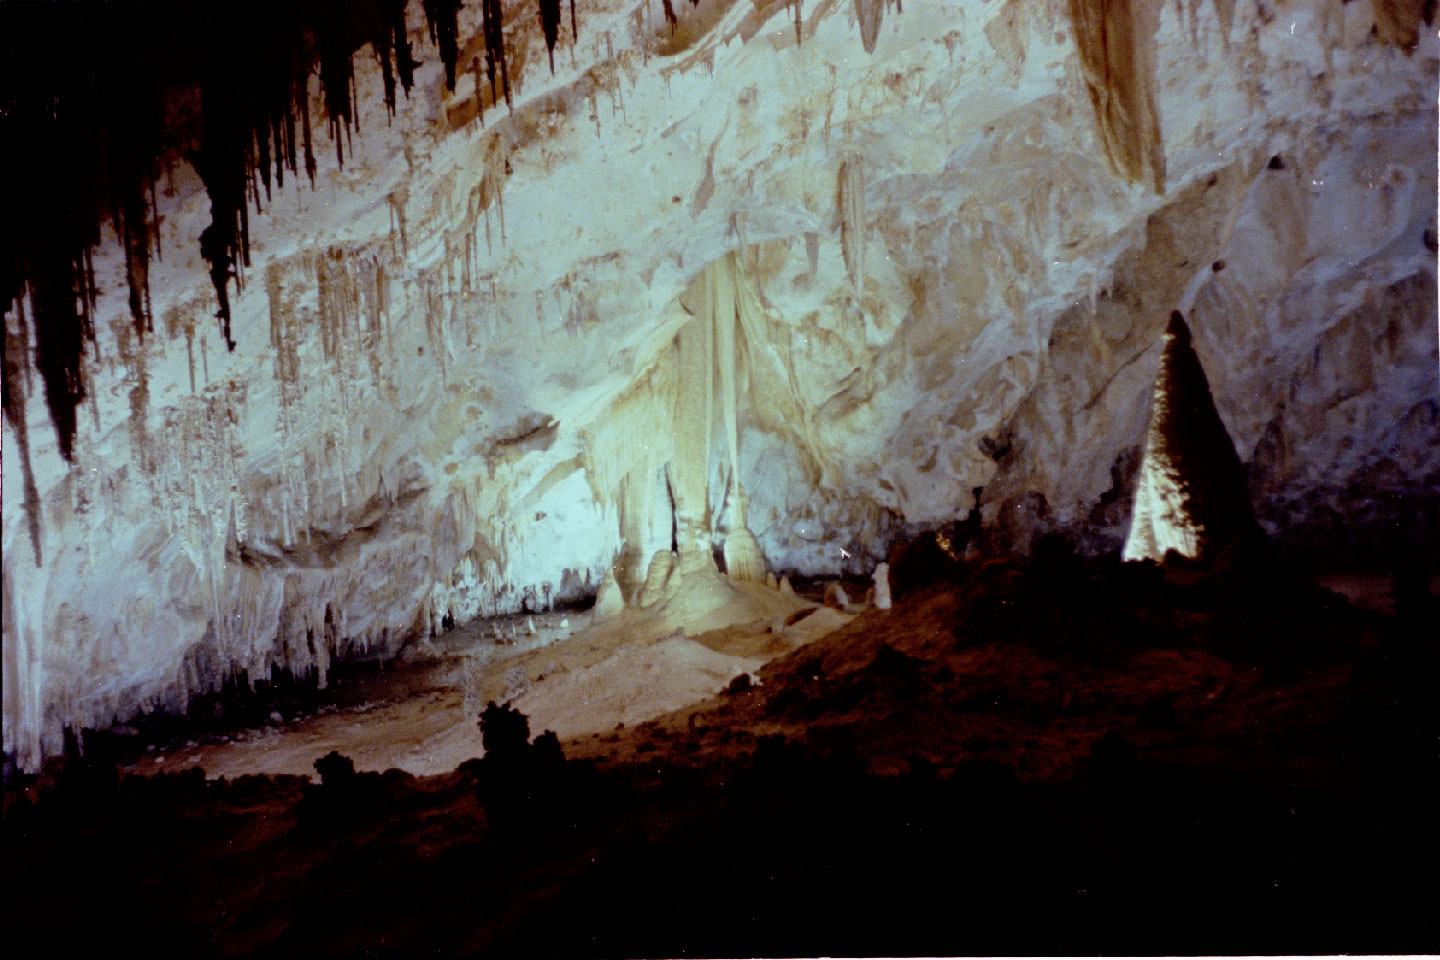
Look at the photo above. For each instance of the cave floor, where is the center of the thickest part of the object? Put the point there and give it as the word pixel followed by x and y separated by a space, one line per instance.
pixel 1042 757
pixel 565 672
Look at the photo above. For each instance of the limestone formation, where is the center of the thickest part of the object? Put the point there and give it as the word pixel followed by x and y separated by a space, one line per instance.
pixel 1191 496
pixel 881 578
pixel 492 351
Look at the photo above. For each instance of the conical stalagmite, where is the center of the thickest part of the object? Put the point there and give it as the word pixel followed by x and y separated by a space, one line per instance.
pixel 1191 495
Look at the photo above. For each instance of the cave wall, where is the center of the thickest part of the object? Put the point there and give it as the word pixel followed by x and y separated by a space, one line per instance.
pixel 961 228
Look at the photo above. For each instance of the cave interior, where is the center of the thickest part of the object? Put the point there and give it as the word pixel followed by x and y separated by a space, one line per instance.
pixel 721 478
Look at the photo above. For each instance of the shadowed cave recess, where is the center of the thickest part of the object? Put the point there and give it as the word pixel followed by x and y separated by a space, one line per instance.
pixel 979 431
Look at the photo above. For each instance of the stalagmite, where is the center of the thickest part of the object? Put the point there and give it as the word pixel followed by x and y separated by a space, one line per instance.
pixel 881 579
pixel 657 578
pixel 1191 495
pixel 609 602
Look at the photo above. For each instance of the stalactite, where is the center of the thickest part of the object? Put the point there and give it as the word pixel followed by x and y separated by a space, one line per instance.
pixel 670 16
pixel 1115 41
pixel 90 115
pixel 492 192
pixel 134 109
pixel 870 13
pixel 494 308
pixel 16 354
pixel 574 32
pixel 494 30
pixel 390 34
pixel 53 167
pixel 550 25
pixel 850 200
pixel 381 299
pixel 479 100
pixel 397 199
pixel 468 268
pixel 440 15
pixel 302 83
pixel 130 349
pixel 382 42
pixel 337 79
pixel 59 347
pixel 447 264
pixel 634 435
pixel 490 56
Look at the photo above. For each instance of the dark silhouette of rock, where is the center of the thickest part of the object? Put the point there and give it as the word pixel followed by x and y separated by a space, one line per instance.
pixel 336 770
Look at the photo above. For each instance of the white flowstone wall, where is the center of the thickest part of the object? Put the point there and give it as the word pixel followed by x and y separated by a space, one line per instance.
pixel 962 271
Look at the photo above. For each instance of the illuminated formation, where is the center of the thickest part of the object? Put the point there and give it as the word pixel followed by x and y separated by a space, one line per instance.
pixel 1191 495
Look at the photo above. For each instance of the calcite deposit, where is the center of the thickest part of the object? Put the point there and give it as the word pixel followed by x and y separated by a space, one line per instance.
pixel 949 238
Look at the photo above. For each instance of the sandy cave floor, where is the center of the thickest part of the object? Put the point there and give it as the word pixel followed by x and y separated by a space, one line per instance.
pixel 564 671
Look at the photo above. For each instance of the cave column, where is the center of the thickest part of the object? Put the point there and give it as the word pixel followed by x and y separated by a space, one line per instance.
pixel 690 468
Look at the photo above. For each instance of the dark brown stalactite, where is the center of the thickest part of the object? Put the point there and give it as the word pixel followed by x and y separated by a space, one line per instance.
pixel 388 33
pixel 441 17
pixel 670 15
pixel 504 63
pixel 1116 46
pixel 155 235
pixel 479 102
pixel 51 126
pixel 495 46
pixel 135 236
pixel 337 78
pixel 221 163
pixel 130 122
pixel 381 44
pixel 60 331
pixel 550 25
pixel 17 350
pixel 394 14
pixel 302 94
pixel 94 97
pixel 225 159
pixel 574 33
pixel 489 49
